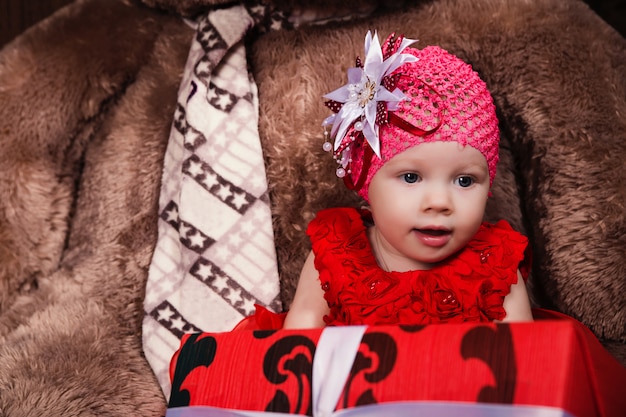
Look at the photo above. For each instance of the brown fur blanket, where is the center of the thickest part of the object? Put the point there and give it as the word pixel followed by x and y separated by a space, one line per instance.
pixel 86 102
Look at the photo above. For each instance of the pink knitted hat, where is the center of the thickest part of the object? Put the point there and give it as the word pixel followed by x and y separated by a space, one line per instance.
pixel 402 97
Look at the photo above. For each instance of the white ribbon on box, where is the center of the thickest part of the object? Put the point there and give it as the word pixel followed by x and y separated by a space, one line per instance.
pixel 334 355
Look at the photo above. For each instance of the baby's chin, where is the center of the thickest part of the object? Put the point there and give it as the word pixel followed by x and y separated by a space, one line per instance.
pixel 444 255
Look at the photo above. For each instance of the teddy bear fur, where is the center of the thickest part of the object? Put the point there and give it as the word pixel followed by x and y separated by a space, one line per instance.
pixel 87 102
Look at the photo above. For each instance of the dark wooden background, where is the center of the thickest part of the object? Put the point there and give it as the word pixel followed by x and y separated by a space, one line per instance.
pixel 18 15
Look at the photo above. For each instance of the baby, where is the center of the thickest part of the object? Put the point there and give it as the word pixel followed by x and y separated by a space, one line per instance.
pixel 416 135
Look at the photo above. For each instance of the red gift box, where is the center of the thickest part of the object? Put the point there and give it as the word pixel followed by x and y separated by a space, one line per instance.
pixel 554 364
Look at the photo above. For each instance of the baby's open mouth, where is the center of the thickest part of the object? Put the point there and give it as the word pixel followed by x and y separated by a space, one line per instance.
pixel 433 237
pixel 434 232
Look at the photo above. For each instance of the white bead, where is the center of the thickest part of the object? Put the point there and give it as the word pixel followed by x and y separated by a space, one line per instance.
pixel 358 126
pixel 327 146
pixel 341 172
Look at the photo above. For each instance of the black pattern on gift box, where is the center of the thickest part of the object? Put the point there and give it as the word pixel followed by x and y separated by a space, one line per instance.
pixel 290 356
pixel 374 362
pixel 202 351
pixel 496 348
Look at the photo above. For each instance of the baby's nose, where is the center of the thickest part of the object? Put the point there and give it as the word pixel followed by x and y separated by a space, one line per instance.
pixel 437 198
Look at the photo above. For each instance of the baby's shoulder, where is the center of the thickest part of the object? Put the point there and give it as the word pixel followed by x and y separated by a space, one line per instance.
pixel 499 246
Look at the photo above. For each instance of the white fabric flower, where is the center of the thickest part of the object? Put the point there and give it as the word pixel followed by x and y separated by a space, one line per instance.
pixel 364 90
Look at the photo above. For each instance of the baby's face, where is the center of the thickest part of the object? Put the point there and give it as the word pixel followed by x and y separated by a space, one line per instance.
pixel 428 202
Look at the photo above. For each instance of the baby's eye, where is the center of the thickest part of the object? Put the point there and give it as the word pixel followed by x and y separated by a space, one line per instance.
pixel 464 181
pixel 410 177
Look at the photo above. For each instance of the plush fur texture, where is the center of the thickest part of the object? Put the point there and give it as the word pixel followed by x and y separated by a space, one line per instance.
pixel 84 131
pixel 87 100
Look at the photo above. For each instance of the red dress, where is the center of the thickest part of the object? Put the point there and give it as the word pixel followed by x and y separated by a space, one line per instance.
pixel 469 287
